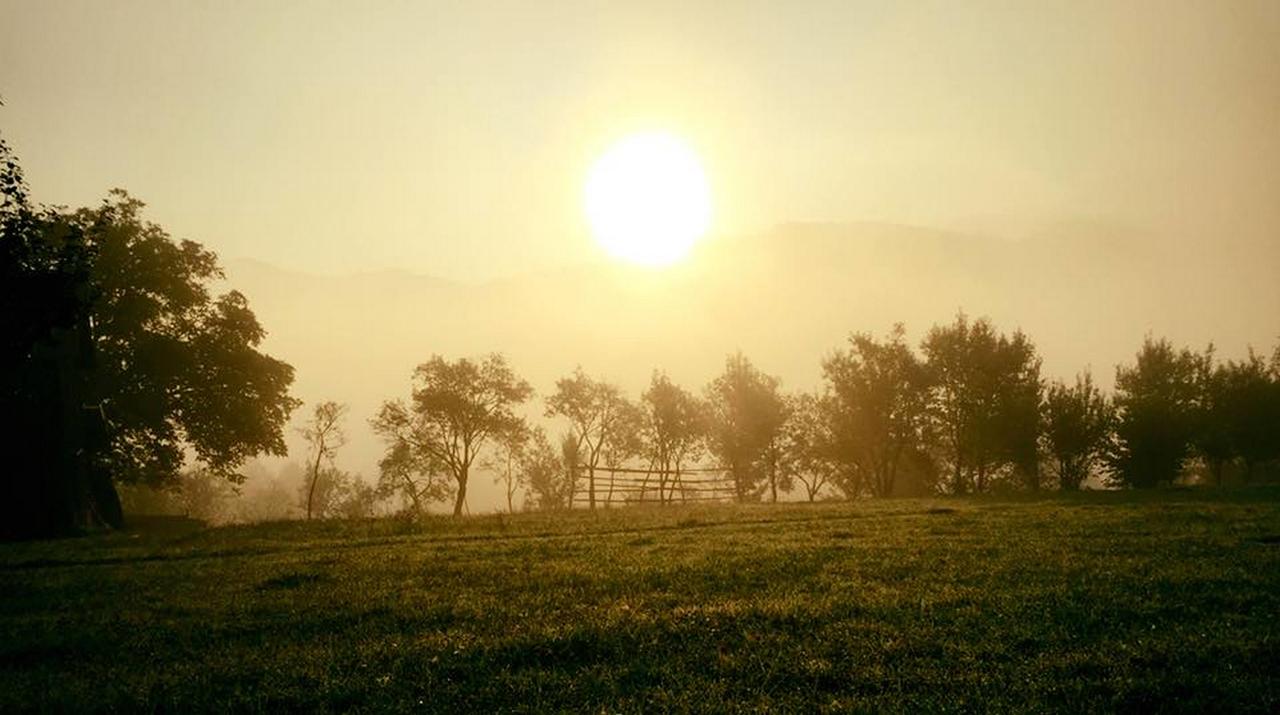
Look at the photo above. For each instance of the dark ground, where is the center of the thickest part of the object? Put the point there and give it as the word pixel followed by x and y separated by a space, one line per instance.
pixel 1166 601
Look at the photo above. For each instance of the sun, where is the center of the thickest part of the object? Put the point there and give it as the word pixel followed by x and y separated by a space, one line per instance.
pixel 647 199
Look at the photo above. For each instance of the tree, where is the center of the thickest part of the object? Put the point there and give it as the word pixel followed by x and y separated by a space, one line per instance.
pixel 627 442
pixel 1077 425
pixel 1157 400
pixel 124 359
pixel 571 465
pixel 412 476
pixel 1239 415
pixel 984 383
pixel 807 449
pixel 596 411
pixel 547 476
pixel 879 405
pixel 673 431
pixel 457 408
pixel 505 462
pixel 745 413
pixel 53 483
pixel 176 366
pixel 334 493
pixel 204 495
pixel 324 433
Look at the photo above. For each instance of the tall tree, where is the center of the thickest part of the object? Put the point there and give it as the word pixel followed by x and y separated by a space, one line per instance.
pixel 1157 400
pixel 745 414
pixel 673 431
pixel 1077 425
pixel 597 411
pixel 52 484
pixel 879 402
pixel 457 408
pixel 136 364
pixel 982 381
pixel 324 434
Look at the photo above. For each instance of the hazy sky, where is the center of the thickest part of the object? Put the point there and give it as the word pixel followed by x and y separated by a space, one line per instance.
pixel 453 138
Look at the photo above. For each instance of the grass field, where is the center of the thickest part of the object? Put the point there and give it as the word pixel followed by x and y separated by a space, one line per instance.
pixel 1101 601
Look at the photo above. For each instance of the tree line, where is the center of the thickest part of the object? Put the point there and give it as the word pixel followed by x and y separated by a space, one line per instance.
pixel 969 412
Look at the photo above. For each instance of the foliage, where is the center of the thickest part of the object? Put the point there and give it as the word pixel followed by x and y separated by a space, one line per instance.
pixel 1077 427
pixel 986 389
pixel 673 431
pixel 745 414
pixel 602 419
pixel 505 461
pixel 457 407
pixel 176 365
pixel 808 451
pixel 1239 415
pixel 123 360
pixel 546 476
pixel 571 465
pixel 877 409
pixel 336 494
pixel 325 436
pixel 1157 402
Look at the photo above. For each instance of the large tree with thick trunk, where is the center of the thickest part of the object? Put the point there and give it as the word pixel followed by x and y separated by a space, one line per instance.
pixel 120 362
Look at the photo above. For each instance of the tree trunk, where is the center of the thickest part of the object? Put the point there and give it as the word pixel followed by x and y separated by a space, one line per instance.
pixel 462 495
pixel 315 477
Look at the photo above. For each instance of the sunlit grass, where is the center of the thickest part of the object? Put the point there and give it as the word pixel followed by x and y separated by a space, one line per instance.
pixel 1097 601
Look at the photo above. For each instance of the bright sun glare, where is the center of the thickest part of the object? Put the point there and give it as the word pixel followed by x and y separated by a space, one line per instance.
pixel 647 199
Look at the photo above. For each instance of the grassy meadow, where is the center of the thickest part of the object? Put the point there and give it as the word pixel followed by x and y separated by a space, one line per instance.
pixel 1163 601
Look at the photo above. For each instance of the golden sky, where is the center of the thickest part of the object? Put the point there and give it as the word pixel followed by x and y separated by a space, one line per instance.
pixel 453 139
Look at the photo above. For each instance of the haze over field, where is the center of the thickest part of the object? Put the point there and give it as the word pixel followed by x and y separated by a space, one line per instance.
pixel 1084 309
pixel 394 181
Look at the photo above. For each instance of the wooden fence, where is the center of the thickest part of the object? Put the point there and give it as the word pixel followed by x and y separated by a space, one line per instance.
pixel 626 485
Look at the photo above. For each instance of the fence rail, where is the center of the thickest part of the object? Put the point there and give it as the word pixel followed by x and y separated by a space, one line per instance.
pixel 631 485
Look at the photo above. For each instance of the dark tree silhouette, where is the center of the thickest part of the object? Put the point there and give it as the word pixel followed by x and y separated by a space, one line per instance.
pixel 1157 402
pixel 745 414
pixel 1077 425
pixel 52 484
pixel 984 385
pixel 457 408
pixel 124 360
pixel 879 398
pixel 1239 416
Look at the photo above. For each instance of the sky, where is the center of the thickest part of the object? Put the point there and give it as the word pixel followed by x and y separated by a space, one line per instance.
pixel 453 139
